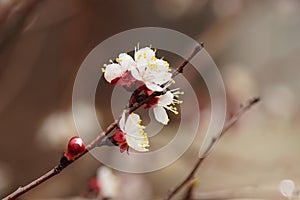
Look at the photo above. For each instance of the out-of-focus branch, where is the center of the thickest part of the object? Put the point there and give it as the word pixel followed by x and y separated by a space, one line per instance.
pixel 13 19
pixel 240 193
pixel 228 125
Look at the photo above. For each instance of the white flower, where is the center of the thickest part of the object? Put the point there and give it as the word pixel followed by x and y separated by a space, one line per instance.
pixel 109 183
pixel 287 188
pixel 116 70
pixel 165 102
pixel 136 138
pixel 151 71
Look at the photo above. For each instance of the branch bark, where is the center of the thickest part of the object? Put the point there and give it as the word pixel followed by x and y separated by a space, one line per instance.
pixel 227 126
pixel 65 163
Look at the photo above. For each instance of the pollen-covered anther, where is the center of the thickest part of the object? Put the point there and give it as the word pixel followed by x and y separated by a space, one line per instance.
pixel 176 101
pixel 166 63
pixel 172 109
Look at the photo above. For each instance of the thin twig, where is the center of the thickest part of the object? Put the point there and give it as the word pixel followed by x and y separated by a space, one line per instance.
pixel 227 126
pixel 240 193
pixel 64 163
pixel 195 51
pixel 19 15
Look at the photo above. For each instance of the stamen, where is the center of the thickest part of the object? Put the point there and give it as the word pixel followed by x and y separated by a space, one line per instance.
pixel 174 90
pixel 172 109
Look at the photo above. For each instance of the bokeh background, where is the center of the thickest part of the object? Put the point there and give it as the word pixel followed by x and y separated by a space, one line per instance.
pixel 254 43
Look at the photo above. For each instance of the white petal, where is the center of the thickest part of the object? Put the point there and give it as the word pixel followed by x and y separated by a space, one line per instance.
pixel 162 65
pixel 122 122
pixel 161 115
pixel 153 87
pixel 162 77
pixel 109 182
pixel 137 144
pixel 144 54
pixel 132 124
pixel 135 137
pixel 126 61
pixel 142 66
pixel 112 71
pixel 166 99
pixel 135 73
pixel 287 188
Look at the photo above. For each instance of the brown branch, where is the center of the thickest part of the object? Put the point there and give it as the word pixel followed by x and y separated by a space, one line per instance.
pixel 240 193
pixel 15 20
pixel 195 51
pixel 228 125
pixel 65 163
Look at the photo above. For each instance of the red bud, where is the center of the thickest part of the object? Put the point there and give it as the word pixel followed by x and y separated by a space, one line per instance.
pixel 75 147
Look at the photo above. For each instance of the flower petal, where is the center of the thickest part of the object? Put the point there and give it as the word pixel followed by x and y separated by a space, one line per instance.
pixel 132 124
pixel 161 77
pixel 161 115
pixel 144 54
pixel 166 99
pixel 135 136
pixel 162 65
pixel 110 183
pixel 153 87
pixel 126 61
pixel 138 144
pixel 287 187
pixel 135 73
pixel 122 122
pixel 112 71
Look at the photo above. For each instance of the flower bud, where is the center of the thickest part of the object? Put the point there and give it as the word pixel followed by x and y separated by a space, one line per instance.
pixel 75 147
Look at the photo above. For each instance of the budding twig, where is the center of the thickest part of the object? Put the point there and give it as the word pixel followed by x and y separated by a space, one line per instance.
pixel 227 126
pixel 65 163
pixel 181 67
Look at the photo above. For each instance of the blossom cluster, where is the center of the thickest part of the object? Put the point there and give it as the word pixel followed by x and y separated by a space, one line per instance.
pixel 145 75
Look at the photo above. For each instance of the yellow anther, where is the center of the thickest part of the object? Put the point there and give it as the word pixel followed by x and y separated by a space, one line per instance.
pixel 103 69
pixel 166 63
pixel 118 60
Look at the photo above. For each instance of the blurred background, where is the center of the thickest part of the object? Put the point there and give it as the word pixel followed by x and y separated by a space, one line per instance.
pixel 254 43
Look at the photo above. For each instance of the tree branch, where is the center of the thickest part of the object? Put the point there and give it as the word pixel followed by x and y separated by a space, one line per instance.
pixel 228 125
pixel 64 163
